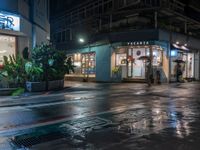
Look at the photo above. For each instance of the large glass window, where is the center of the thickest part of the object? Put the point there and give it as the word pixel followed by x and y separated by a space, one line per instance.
pixel 157 57
pixel 7 46
pixel 121 59
pixel 85 64
pixel 88 63
pixel 77 63
pixel 187 65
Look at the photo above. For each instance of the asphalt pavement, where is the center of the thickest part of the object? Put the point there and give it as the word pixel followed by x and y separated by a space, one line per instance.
pixel 103 116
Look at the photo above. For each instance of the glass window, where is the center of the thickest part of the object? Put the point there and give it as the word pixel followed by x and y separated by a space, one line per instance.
pixel 157 57
pixel 77 63
pixel 7 46
pixel 121 59
pixel 88 63
pixel 188 66
pixel 84 63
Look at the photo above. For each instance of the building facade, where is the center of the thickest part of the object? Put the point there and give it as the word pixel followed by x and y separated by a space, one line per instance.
pixel 23 23
pixel 119 32
pixel 123 51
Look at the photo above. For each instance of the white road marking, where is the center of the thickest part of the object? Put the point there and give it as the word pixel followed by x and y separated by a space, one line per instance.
pixel 15 108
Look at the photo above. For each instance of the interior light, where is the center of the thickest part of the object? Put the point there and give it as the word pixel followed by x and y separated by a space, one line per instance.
pixel 173 53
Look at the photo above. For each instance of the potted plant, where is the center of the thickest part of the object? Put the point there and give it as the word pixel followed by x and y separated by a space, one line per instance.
pixel 34 77
pixel 49 66
pixel 116 74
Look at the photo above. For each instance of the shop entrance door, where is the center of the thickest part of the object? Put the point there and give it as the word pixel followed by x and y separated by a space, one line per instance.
pixel 136 69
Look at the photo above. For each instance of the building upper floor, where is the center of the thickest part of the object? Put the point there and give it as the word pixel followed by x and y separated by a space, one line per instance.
pixel 103 16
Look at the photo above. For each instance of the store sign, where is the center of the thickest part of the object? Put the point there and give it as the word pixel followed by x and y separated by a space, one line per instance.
pixel 9 22
pixel 139 43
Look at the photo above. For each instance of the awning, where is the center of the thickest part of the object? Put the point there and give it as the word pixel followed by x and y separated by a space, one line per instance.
pixel 175 46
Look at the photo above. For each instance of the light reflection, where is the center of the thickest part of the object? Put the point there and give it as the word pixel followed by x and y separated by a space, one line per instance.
pixel 182 129
pixel 157 118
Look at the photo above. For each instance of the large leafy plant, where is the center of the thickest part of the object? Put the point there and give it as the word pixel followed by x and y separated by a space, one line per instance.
pixel 54 63
pixel 13 70
pixel 33 72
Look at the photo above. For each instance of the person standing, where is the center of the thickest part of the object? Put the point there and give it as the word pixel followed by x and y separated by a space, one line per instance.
pixel 179 72
pixel 149 74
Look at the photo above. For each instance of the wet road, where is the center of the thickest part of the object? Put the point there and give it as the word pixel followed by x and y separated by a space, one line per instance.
pixel 105 116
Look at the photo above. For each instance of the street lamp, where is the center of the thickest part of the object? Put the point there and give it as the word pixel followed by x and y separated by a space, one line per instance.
pixel 81 40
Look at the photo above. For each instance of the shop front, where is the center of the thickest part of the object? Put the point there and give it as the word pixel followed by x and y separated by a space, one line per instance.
pixel 184 58
pixel 119 58
pixel 132 59
pixel 9 24
pixel 85 65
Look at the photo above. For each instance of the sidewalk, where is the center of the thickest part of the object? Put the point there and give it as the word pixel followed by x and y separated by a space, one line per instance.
pixel 70 87
pixel 29 98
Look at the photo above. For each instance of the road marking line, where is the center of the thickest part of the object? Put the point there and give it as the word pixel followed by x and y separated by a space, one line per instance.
pixel 15 108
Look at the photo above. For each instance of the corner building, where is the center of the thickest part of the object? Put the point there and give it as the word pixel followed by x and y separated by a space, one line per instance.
pixel 118 32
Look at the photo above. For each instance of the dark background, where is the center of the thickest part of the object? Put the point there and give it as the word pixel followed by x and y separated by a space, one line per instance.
pixel 59 6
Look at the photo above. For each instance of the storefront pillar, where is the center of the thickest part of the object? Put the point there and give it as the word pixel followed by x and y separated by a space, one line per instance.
pixel 151 57
pixel 126 49
pixel 170 65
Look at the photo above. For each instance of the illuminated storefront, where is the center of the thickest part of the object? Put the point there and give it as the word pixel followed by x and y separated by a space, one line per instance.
pixel 85 64
pixel 9 23
pixel 128 58
pixel 23 24
pixel 187 63
pixel 88 64
pixel 99 62
pixel 119 59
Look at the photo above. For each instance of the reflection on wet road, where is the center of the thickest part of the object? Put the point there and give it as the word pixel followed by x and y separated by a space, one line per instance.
pixel 107 116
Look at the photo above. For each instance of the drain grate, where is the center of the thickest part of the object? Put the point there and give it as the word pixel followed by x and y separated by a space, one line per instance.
pixel 29 141
pixel 62 131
